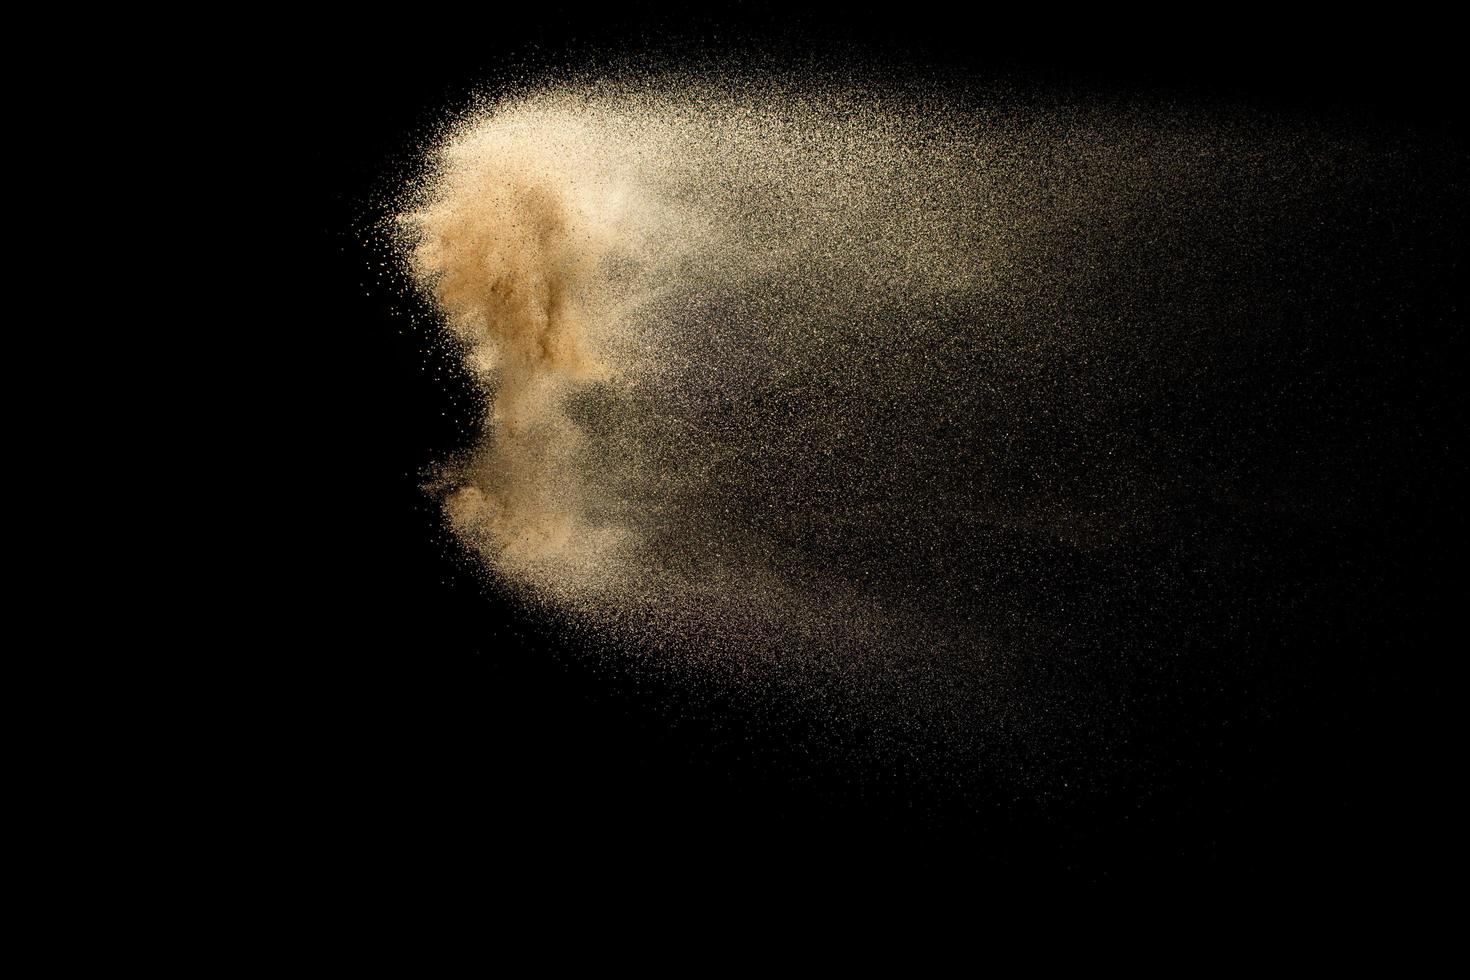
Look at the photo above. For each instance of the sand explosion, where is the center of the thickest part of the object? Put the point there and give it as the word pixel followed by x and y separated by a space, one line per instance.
pixel 846 387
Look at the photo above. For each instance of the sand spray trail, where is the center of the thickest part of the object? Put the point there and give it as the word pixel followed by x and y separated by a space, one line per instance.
pixel 621 273
pixel 777 376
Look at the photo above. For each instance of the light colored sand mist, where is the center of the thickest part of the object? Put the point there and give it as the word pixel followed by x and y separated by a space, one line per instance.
pixel 618 267
pixel 800 378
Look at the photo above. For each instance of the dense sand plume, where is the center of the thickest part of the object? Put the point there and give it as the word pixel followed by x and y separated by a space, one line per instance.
pixel 916 397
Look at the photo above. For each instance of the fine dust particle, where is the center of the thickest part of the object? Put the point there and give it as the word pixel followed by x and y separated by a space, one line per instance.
pixel 812 387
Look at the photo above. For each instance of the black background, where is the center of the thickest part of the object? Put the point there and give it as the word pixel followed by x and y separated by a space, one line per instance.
pixel 450 740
